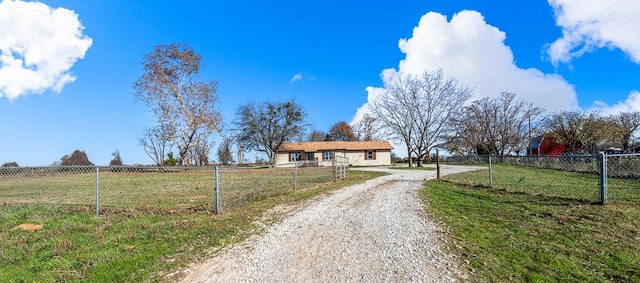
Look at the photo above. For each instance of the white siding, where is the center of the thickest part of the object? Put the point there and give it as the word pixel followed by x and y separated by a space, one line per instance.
pixel 356 158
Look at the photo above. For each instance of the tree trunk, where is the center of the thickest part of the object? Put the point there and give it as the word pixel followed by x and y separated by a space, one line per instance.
pixel 409 156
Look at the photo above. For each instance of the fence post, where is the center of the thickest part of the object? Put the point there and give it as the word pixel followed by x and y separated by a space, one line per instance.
pixel 216 197
pixel 97 191
pixel 295 176
pixel 438 164
pixel 490 173
pixel 334 168
pixel 603 178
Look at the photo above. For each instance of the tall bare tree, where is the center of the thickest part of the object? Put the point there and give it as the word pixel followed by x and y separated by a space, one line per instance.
pixel 416 110
pixel 501 125
pixel 170 86
pixel 394 110
pixel 341 131
pixel 266 126
pixel 367 129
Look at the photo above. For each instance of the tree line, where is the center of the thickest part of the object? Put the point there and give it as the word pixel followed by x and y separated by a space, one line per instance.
pixel 432 110
pixel 422 112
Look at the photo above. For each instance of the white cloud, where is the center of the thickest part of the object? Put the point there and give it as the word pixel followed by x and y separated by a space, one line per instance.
pixel 631 104
pixel 474 52
pixel 38 47
pixel 295 78
pixel 588 25
pixel 300 76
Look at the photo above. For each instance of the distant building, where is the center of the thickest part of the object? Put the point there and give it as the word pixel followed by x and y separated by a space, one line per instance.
pixel 364 153
pixel 545 145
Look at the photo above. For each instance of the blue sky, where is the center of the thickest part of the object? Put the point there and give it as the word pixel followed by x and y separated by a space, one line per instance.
pixel 67 67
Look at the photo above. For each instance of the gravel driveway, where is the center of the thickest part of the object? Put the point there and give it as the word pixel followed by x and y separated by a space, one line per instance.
pixel 376 231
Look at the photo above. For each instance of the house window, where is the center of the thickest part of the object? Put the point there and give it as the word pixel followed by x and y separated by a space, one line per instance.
pixel 328 155
pixel 370 155
pixel 294 156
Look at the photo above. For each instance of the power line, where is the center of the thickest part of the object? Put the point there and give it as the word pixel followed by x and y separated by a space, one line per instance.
pixel 622 24
pixel 607 9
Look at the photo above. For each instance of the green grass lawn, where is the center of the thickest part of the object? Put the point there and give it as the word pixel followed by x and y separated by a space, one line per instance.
pixel 510 236
pixel 134 242
pixel 552 183
pixel 160 189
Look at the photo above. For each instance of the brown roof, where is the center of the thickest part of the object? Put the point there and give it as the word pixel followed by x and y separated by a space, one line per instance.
pixel 334 145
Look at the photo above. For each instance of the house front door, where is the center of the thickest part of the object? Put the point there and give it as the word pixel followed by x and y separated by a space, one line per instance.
pixel 310 156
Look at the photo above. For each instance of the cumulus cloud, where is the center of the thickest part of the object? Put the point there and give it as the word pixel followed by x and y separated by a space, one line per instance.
pixel 474 52
pixel 588 25
pixel 38 47
pixel 631 104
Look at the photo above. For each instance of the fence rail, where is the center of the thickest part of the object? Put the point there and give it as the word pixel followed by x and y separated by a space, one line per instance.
pixel 155 189
pixel 591 178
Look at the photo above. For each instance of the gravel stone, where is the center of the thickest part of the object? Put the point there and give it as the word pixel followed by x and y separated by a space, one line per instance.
pixel 376 231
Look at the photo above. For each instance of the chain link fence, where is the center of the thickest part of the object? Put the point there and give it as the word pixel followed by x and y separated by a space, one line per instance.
pixel 590 178
pixel 161 190
pixel 622 182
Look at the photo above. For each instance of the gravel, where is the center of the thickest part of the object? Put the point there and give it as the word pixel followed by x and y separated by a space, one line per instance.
pixel 376 231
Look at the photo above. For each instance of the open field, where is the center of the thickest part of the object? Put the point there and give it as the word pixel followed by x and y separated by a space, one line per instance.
pixel 552 183
pixel 135 239
pixel 161 189
pixel 515 234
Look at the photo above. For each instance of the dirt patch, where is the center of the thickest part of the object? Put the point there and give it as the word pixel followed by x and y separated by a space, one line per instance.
pixel 28 227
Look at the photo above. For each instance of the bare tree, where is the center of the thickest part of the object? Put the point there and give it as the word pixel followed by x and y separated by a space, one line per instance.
pixel 316 136
pixel 241 148
pixel 225 156
pixel 171 88
pixel 626 124
pixel 367 129
pixel 156 142
pixel 341 131
pixel 266 126
pixel 393 109
pixel 199 151
pixel 417 110
pixel 501 125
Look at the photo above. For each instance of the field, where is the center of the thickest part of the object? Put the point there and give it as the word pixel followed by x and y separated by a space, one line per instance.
pixel 159 189
pixel 543 228
pixel 150 222
pixel 552 183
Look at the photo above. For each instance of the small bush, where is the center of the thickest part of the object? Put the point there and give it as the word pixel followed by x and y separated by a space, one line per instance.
pixel 11 164
pixel 77 158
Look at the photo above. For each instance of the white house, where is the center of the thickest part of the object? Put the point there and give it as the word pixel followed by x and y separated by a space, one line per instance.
pixel 362 153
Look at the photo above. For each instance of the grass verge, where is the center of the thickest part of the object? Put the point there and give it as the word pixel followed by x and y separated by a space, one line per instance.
pixel 130 245
pixel 511 236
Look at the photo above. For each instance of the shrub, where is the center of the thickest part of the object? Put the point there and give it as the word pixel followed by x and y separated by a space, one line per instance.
pixel 11 164
pixel 77 158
